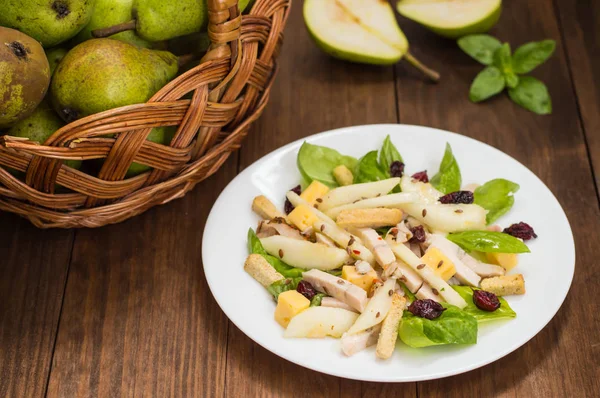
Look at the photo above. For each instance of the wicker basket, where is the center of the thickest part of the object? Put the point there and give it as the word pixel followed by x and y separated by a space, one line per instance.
pixel 229 90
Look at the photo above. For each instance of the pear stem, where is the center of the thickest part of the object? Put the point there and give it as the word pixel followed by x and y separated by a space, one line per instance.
pixel 111 30
pixel 430 73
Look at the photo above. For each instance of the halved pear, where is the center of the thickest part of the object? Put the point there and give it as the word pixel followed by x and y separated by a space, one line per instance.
pixel 363 31
pixel 453 18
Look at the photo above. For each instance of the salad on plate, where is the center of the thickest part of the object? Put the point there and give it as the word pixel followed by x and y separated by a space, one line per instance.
pixel 370 253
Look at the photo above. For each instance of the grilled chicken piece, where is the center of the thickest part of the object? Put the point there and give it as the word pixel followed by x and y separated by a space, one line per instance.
pixel 277 226
pixel 353 343
pixel 335 303
pixel 484 270
pixel 463 273
pixel 410 277
pixel 338 288
pixel 375 243
pixel 403 234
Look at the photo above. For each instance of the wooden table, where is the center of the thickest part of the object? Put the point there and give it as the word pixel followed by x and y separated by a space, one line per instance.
pixel 125 310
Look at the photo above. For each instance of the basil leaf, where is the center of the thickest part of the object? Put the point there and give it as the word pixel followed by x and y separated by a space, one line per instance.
pixel 496 197
pixel 466 292
pixel 452 327
pixel 368 169
pixel 503 60
pixel 255 247
pixel 531 55
pixel 480 47
pixel 388 155
pixel 532 95
pixel 512 80
pixel 317 163
pixel 487 83
pixel 316 300
pixel 448 178
pixel 488 242
pixel 276 288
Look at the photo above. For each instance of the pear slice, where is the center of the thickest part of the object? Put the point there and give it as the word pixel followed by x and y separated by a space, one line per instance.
pixel 363 31
pixel 452 18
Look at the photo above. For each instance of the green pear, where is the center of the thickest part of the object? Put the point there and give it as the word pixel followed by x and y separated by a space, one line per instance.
pixel 363 31
pixel 55 55
pixel 109 13
pixel 50 22
pixel 39 126
pixel 102 74
pixel 157 20
pixel 24 76
pixel 452 18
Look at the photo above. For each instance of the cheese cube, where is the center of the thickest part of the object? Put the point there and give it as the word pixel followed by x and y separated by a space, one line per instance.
pixel 314 191
pixel 506 260
pixel 302 218
pixel 290 304
pixel 364 281
pixel 440 264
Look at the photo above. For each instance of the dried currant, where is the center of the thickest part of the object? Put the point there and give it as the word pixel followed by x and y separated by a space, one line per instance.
pixel 465 197
pixel 485 301
pixel 288 205
pixel 306 289
pixel 427 308
pixel 421 176
pixel 418 234
pixel 397 169
pixel 521 230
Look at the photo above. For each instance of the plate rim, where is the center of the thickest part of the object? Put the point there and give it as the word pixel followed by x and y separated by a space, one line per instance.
pixel 332 371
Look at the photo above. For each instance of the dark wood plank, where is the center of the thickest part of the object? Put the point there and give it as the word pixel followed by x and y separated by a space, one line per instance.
pixel 579 21
pixel 33 269
pixel 138 317
pixel 313 93
pixel 560 360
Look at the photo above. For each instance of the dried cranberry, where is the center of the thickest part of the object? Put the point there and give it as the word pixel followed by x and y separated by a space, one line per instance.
pixel 418 234
pixel 521 230
pixel 465 197
pixel 288 205
pixel 396 169
pixel 427 308
pixel 306 289
pixel 421 176
pixel 485 300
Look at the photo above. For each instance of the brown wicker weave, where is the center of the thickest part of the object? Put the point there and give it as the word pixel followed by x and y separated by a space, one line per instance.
pixel 230 88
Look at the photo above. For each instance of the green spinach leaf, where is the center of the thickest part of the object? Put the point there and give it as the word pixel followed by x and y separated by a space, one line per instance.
pixel 531 55
pixel 317 163
pixel 368 170
pixel 480 47
pixel 388 155
pixel 448 178
pixel 496 196
pixel 488 242
pixel 452 327
pixel 255 247
pixel 466 292
pixel 276 288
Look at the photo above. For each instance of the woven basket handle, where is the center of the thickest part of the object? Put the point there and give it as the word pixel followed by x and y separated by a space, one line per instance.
pixel 224 22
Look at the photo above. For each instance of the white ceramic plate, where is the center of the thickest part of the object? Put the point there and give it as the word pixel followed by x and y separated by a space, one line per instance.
pixel 548 270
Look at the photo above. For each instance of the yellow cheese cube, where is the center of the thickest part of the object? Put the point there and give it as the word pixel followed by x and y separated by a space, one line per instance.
pixel 364 281
pixel 302 218
pixel 314 191
pixel 506 260
pixel 290 304
pixel 440 264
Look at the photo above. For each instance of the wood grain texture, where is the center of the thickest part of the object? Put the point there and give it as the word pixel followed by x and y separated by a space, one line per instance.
pixel 579 21
pixel 312 93
pixel 553 147
pixel 138 317
pixel 33 269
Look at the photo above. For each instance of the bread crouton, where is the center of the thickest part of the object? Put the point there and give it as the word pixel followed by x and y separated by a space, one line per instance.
pixel 343 175
pixel 265 208
pixel 261 270
pixel 389 329
pixel 369 218
pixel 504 285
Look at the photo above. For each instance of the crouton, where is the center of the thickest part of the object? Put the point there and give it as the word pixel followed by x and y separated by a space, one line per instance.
pixel 369 218
pixel 504 285
pixel 343 175
pixel 265 208
pixel 389 329
pixel 261 270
